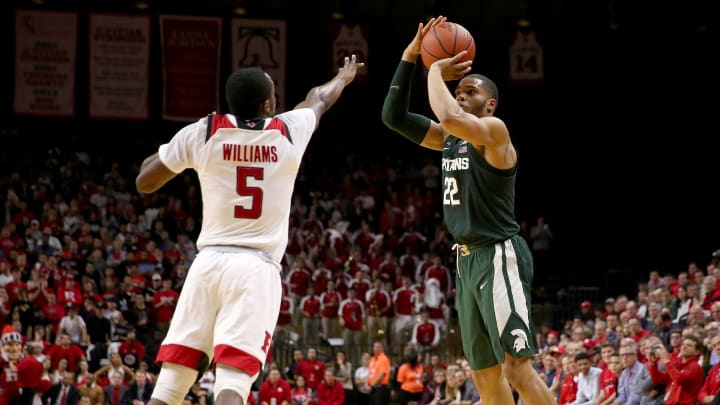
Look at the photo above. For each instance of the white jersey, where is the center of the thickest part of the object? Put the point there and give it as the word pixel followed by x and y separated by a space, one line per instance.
pixel 247 175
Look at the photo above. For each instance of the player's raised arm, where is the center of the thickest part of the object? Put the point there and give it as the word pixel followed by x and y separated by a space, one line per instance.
pixel 321 98
pixel 395 112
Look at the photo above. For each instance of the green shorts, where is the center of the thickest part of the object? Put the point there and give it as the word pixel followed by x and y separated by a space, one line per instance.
pixel 493 301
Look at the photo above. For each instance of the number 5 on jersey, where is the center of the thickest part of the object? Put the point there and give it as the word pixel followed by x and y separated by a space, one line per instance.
pixel 255 193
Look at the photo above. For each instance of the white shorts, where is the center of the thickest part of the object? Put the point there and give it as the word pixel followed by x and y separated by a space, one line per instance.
pixel 227 310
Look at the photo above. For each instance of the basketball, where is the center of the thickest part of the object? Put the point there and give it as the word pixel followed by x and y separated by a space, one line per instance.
pixel 446 40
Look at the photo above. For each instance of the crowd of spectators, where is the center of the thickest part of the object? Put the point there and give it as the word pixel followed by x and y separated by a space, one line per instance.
pixel 90 272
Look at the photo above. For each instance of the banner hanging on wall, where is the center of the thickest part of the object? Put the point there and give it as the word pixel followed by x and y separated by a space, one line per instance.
pixel 191 66
pixel 45 58
pixel 261 43
pixel 349 39
pixel 119 66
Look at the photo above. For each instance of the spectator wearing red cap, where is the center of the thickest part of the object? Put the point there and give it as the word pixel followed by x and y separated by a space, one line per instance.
pixel 587 314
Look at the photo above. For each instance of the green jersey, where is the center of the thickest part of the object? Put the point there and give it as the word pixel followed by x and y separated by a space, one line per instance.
pixel 478 199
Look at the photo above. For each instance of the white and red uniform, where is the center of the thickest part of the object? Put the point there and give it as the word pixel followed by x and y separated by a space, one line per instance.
pixel 247 176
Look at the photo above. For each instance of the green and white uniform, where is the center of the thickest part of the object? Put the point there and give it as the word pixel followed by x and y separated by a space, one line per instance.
pixel 495 265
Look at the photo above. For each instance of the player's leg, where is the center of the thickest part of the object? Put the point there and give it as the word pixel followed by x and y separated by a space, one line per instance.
pixel 185 348
pixel 173 384
pixel 476 336
pixel 523 377
pixel 251 292
pixel 518 337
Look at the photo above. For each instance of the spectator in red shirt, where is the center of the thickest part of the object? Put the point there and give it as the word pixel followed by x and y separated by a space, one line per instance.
pixel 330 392
pixel 378 305
pixel 274 388
pixel 425 334
pixel 684 378
pixel 441 273
pixel 29 373
pixel 636 329
pixel 711 387
pixel 330 304
pixel 283 327
pixel 298 280
pixel 609 380
pixel 569 383
pixel 164 302
pixel 70 293
pixel 404 300
pixel 352 315
pixel 66 349
pixel 53 312
pixel 311 368
pixel 16 285
pixel 39 294
pixel 310 311
pixel 131 350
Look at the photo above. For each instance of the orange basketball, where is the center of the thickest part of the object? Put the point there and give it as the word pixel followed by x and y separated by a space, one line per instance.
pixel 446 40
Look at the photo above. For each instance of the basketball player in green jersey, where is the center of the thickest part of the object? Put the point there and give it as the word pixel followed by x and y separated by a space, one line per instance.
pixel 495 266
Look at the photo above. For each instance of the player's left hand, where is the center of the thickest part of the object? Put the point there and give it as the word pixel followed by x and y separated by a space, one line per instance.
pixel 349 69
pixel 452 68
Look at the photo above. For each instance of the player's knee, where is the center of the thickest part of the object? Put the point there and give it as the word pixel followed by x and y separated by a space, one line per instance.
pixel 229 397
pixel 229 380
pixel 517 370
pixel 173 383
pixel 487 378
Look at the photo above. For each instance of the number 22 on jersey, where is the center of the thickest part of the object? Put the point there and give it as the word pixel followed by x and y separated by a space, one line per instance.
pixel 450 194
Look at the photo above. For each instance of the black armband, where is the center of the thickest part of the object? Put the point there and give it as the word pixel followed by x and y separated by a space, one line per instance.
pixel 395 113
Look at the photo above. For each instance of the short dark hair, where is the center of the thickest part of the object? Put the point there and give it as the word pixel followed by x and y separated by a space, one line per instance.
pixel 246 90
pixel 488 84
pixel 582 356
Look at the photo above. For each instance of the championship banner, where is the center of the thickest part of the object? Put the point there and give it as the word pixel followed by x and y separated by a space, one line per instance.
pixel 45 55
pixel 526 59
pixel 261 43
pixel 191 66
pixel 349 39
pixel 119 66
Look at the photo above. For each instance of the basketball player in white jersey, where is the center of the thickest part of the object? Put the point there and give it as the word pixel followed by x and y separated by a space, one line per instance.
pixel 246 162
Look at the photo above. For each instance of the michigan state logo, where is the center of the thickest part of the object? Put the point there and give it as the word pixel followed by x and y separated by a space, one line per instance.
pixel 521 340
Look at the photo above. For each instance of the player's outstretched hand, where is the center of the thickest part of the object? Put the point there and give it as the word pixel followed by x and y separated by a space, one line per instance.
pixel 349 69
pixel 413 48
pixel 452 68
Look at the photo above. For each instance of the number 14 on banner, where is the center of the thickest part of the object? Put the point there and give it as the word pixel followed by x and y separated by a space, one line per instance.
pixel 526 59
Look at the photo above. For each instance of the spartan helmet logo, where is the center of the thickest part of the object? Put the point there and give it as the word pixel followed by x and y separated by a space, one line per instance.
pixel 521 340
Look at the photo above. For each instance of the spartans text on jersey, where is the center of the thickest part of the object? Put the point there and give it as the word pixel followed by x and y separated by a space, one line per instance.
pixel 451 165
